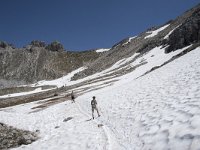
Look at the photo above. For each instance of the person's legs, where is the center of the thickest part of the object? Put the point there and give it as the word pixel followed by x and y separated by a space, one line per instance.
pixel 73 99
pixel 97 112
pixel 92 113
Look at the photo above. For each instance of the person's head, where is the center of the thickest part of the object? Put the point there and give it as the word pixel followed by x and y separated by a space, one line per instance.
pixel 93 97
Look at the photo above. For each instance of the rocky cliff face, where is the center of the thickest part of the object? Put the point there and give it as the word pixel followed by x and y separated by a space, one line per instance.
pixel 36 62
pixel 187 33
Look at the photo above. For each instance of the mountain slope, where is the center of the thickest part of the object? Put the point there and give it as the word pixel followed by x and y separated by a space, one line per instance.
pixel 147 88
pixel 36 62
pixel 137 54
pixel 175 34
pixel 157 111
pixel 22 66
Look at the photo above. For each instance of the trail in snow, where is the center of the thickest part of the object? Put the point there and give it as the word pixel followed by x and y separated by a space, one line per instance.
pixel 77 133
pixel 158 111
pixel 111 138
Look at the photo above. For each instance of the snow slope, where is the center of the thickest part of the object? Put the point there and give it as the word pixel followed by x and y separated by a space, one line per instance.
pixel 155 32
pixel 60 81
pixel 24 93
pixel 160 110
pixel 167 36
pixel 102 50
pixel 129 40
pixel 157 111
pixel 153 58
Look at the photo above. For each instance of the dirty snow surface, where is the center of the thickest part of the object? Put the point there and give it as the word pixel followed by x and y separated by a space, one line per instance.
pixel 158 111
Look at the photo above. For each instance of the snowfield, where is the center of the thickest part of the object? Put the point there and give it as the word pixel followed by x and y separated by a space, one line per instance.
pixel 160 110
pixel 37 90
pixel 102 50
pixel 153 58
pixel 60 81
pixel 155 32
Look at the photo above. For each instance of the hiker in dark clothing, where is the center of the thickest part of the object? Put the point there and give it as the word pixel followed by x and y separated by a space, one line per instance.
pixel 73 97
pixel 94 107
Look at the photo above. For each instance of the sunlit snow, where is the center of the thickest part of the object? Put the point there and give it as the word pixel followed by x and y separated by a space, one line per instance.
pixel 102 50
pixel 154 33
pixel 167 36
pixel 157 111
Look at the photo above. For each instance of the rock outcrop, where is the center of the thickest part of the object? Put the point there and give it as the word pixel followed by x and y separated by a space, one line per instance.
pixel 11 137
pixel 39 62
pixel 188 33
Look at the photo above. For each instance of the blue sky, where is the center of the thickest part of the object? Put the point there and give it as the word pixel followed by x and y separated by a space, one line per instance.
pixel 84 24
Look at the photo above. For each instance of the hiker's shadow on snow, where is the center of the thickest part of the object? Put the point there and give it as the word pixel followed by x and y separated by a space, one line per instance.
pixel 89 119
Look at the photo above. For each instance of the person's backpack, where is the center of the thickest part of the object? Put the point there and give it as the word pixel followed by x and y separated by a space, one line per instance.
pixel 93 103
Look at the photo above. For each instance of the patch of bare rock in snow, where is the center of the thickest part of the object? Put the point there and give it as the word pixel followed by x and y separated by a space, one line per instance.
pixel 12 137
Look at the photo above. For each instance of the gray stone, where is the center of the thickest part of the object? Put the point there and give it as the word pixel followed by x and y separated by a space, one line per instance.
pixel 188 33
pixel 11 137
pixel 67 119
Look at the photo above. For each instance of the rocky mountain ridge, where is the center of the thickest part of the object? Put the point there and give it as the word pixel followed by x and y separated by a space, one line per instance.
pixel 39 61
pixel 178 33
